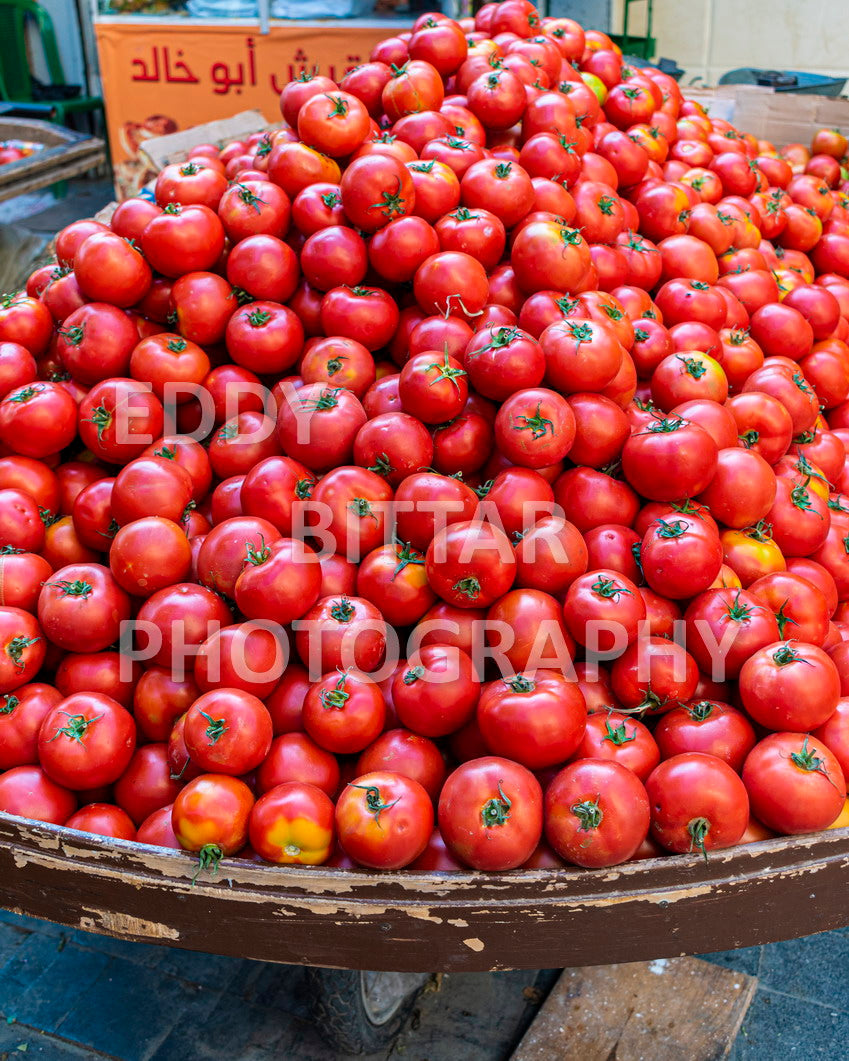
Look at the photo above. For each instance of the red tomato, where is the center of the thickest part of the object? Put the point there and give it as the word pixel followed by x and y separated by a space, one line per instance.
pixel 384 820
pixel 28 792
pixel 211 815
pixel 491 813
pixel 790 686
pixel 596 813
pixel 470 564
pixel 538 719
pixel 706 726
pixel 697 803
pixel 794 782
pixel 437 692
pixel 343 713
pixel 87 740
pixel 408 754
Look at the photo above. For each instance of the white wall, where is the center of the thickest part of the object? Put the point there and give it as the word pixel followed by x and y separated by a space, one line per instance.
pixel 709 37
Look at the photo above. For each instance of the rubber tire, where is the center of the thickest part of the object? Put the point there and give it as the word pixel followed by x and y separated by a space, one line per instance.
pixel 339 1015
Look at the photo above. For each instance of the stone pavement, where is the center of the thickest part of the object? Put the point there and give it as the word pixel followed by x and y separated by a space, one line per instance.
pixel 72 996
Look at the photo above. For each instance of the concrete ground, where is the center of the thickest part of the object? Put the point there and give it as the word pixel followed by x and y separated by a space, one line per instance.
pixel 71 996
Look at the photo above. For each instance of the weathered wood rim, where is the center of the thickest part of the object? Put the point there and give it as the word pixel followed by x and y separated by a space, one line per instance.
pixel 757 893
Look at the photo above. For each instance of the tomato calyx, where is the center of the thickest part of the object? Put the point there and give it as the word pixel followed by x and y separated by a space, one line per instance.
pixel 665 425
pixel 391 205
pixel 807 759
pixel 692 366
pixel 835 504
pixel 216 729
pixel 608 588
pixel 413 675
pixel 483 490
pixel 328 399
pixel 227 432
pixel 759 532
pixel 566 305
pixel 783 620
pixel 605 205
pixel 469 587
pixel 502 338
pixel 74 336
pixel 698 828
pixel 701 711
pixel 176 346
pixel 446 371
pixel 459 145
pixel 250 198
pixel 11 550
pixel 190 169
pixel 361 507
pixel 78 588
pixel 257 556
pixel 382 465
pixel 47 517
pixel 406 554
pixel 342 611
pixel 76 728
pixel 173 209
pixel 750 438
pixel 503 170
pixel 737 612
pixel 374 802
pixel 571 237
pixel 303 489
pixel 462 213
pixel 670 530
pixel 264 147
pixel 241 296
pixel 112 529
pixel 23 395
pixel 334 364
pixel 101 418
pixel 787 654
pixel 340 106
pixel 637 553
pixel 537 424
pixel 520 684
pixel 617 735
pixel 423 167
pixel 10 703
pixel 209 857
pixel 801 498
pixel 331 199
pixel 258 318
pixel 699 285
pixel 337 697
pixel 496 811
pixel 589 814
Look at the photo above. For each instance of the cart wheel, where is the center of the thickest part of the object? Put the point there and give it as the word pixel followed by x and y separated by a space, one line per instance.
pixel 360 1012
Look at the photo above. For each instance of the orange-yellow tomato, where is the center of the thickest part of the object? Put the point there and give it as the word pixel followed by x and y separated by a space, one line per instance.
pixel 293 824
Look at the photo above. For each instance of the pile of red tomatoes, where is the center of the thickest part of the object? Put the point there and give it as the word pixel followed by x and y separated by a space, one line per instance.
pixel 454 476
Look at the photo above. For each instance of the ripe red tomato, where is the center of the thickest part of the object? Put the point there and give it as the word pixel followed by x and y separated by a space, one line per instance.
pixel 470 564
pixel 211 815
pixel 491 813
pixel 596 813
pixel 384 820
pixel 794 782
pixel 706 726
pixel 86 740
pixel 697 803
pixel 406 753
pixel 436 692
pixel 620 738
pixel 28 792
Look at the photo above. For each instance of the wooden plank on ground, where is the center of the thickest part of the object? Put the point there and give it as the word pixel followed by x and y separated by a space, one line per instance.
pixel 676 1009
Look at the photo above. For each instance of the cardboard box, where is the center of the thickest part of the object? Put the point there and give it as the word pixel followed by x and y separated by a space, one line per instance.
pixel 162 150
pixel 780 117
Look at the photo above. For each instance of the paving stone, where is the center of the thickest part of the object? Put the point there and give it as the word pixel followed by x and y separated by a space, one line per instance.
pixel 11 937
pixel 812 968
pixel 279 987
pixel 136 1009
pixel 778 1026
pixel 14 1037
pixel 212 970
pixel 58 988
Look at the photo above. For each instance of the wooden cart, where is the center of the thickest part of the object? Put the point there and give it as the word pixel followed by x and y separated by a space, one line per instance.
pixel 416 923
pixel 65 154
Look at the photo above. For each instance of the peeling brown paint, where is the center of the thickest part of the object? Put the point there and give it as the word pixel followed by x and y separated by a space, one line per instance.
pixel 120 924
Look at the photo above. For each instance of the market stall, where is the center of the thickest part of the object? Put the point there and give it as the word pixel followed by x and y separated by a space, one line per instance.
pixel 171 70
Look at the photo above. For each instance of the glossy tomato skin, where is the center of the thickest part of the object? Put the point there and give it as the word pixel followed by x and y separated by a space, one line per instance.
pixel 537 719
pixel 228 731
pixel 619 738
pixel 671 458
pixel 213 810
pixel 491 813
pixel 343 713
pixel 87 740
pixel 706 726
pixel 28 792
pixel 103 819
pixel 406 753
pixel 790 686
pixel 697 803
pixel 292 824
pixel 21 715
pixel 437 692
pixel 485 572
pixel 596 813
pixel 384 820
pixel 795 783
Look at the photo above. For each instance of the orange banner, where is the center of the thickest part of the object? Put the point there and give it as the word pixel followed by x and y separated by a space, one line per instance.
pixel 160 77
